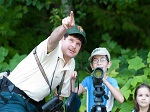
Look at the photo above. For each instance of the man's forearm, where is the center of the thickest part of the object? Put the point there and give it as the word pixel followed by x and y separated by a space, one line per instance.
pixel 55 37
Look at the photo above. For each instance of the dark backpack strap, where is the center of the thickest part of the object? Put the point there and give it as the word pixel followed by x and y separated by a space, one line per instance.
pixel 1 88
pixel 59 88
pixel 8 72
pixel 77 79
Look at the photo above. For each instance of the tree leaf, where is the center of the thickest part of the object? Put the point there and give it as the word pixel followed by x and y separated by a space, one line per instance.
pixel 127 106
pixel 3 53
pixel 135 80
pixel 135 63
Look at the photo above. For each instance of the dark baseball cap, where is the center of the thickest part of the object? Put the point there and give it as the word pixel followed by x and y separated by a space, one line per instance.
pixel 78 30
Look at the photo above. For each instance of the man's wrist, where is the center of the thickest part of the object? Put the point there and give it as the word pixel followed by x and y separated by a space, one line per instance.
pixel 65 27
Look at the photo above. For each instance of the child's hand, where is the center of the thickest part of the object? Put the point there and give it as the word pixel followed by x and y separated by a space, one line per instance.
pixel 104 79
pixel 74 75
pixel 73 79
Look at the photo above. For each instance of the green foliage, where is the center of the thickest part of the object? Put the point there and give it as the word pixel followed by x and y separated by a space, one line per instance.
pixel 135 61
pixel 83 103
pixel 148 59
pixel 128 77
pixel 3 53
pixel 57 17
pixel 40 4
pixel 12 62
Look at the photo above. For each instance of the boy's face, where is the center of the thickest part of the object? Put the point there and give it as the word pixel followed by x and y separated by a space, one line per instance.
pixel 101 62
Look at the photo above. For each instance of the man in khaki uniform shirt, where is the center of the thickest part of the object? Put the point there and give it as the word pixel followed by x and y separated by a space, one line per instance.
pixel 56 55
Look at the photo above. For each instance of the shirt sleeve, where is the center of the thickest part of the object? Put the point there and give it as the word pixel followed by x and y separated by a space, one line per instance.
pixel 86 81
pixel 113 82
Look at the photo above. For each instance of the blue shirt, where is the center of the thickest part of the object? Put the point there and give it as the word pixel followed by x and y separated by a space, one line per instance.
pixel 87 83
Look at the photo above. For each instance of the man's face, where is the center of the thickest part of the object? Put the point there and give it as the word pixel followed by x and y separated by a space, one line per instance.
pixel 70 47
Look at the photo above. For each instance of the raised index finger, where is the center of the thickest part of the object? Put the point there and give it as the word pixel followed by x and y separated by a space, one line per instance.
pixel 71 17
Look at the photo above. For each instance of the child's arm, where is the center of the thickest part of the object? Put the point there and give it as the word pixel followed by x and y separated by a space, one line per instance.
pixel 115 91
pixel 81 88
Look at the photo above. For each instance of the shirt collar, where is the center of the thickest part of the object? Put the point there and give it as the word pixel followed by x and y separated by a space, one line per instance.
pixel 60 54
